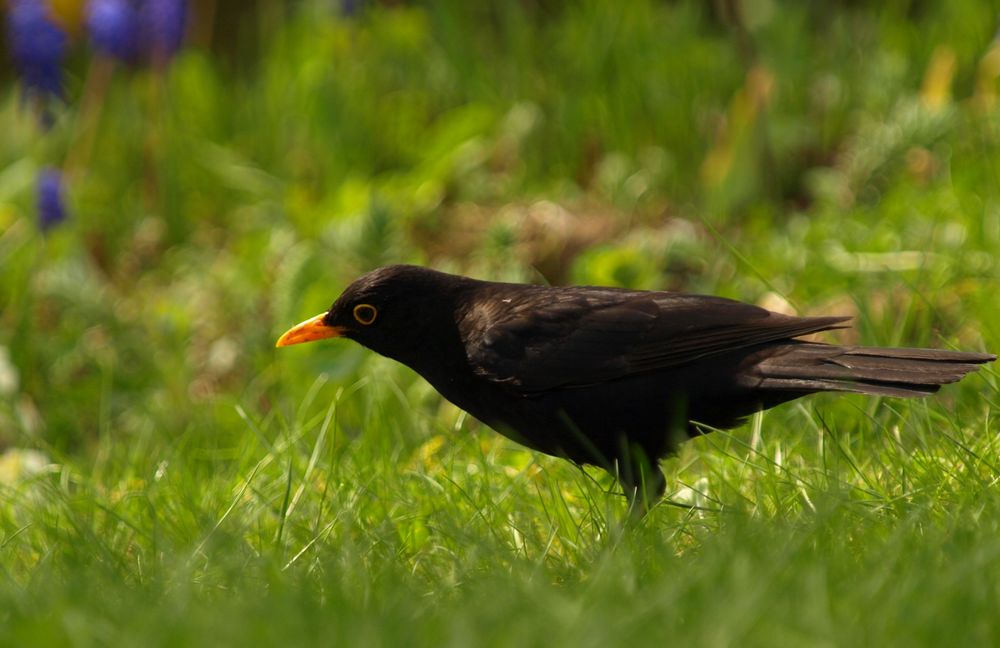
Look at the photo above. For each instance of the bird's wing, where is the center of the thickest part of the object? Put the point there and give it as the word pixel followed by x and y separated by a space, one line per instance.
pixel 572 337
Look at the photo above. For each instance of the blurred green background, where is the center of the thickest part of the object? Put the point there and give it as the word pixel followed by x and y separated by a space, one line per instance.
pixel 834 158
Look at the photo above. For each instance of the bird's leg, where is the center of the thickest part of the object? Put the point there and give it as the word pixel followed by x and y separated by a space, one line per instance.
pixel 641 479
pixel 642 497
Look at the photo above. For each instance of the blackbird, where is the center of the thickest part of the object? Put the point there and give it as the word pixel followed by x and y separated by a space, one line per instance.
pixel 608 376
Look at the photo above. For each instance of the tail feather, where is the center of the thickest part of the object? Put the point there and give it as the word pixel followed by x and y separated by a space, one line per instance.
pixel 907 373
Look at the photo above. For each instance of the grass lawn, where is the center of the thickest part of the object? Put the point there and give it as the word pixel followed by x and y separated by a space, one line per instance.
pixel 169 478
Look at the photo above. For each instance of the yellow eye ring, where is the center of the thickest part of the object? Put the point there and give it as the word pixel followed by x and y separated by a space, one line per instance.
pixel 365 314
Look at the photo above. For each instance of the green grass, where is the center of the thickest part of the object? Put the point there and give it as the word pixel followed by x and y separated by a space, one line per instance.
pixel 167 477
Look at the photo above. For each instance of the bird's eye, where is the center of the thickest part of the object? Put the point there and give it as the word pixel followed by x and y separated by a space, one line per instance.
pixel 365 314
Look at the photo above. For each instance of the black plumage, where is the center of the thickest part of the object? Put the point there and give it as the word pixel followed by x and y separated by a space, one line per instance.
pixel 608 376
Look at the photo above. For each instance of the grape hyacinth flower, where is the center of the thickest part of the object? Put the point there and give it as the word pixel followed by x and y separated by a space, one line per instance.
pixel 351 8
pixel 113 28
pixel 135 31
pixel 51 204
pixel 161 27
pixel 38 46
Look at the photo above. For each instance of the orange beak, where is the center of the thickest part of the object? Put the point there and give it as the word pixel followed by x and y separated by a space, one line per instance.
pixel 310 330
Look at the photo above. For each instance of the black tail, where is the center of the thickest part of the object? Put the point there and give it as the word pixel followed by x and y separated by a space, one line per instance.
pixel 810 367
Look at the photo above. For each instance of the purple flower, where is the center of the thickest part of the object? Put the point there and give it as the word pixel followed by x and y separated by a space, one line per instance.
pixel 38 46
pixel 113 28
pixel 137 30
pixel 351 8
pixel 51 205
pixel 161 27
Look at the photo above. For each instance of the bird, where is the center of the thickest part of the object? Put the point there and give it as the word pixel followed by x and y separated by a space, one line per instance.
pixel 607 376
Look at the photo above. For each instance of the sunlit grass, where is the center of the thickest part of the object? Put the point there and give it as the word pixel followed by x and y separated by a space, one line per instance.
pixel 787 527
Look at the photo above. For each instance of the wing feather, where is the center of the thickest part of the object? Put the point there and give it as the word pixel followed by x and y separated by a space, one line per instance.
pixel 548 338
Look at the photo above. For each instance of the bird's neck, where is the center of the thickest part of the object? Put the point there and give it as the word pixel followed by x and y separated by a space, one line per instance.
pixel 438 354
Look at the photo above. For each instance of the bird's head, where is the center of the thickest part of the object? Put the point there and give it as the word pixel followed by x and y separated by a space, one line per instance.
pixel 391 310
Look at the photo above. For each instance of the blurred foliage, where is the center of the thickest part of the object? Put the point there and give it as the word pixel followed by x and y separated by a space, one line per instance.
pixel 745 148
